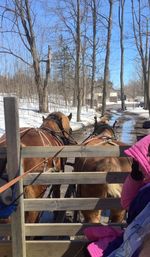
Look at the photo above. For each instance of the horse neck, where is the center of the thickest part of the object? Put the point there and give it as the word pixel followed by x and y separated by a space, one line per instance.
pixel 106 134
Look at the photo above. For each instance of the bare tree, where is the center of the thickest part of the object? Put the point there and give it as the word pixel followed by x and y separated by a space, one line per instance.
pixel 140 21
pixel 72 14
pixel 78 53
pixel 21 20
pixel 94 18
pixel 63 68
pixel 121 26
pixel 107 57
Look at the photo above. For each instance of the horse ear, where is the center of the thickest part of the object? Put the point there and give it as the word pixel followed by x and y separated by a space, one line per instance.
pixel 43 118
pixel 95 118
pixel 95 124
pixel 70 116
pixel 113 126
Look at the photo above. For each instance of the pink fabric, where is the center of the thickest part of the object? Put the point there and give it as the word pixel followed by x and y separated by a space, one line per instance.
pixel 139 152
pixel 129 191
pixel 103 236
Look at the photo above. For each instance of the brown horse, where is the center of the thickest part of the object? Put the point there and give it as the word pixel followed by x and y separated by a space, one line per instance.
pixel 54 131
pixel 103 134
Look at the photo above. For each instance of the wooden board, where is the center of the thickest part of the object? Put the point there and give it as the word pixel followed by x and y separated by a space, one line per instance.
pixel 5 229
pixel 59 229
pixel 5 249
pixel 55 248
pixel 74 151
pixel 63 204
pixel 76 178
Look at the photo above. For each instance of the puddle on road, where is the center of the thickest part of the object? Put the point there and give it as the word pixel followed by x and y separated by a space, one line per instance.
pixel 126 128
pixel 124 131
pixel 126 135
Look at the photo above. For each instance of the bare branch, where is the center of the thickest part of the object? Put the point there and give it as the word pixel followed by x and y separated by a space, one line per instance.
pixel 22 39
pixel 10 52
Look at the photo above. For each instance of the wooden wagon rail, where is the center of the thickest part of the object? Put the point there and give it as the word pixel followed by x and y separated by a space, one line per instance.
pixel 74 151
pixel 74 247
pixel 94 177
pixel 65 248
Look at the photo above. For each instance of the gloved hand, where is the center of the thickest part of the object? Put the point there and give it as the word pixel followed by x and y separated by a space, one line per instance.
pixel 136 174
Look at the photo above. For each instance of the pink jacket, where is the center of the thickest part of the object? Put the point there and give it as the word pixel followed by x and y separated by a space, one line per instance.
pixel 139 152
pixel 101 236
pixel 129 191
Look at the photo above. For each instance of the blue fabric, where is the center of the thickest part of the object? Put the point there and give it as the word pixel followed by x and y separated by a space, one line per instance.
pixel 134 234
pixel 137 252
pixel 47 217
pixel 8 204
pixel 7 210
pixel 139 202
pixel 113 245
pixel 137 206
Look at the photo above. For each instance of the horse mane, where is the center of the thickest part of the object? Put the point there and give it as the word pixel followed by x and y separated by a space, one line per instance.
pixel 102 125
pixel 55 115
pixel 57 118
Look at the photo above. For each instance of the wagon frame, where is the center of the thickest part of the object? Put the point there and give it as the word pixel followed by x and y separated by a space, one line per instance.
pixel 19 246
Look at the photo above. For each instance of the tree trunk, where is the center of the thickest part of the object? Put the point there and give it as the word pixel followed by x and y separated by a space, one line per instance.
pixel 94 52
pixel 46 80
pixel 106 68
pixel 42 91
pixel 121 25
pixel 78 51
pixel 141 47
pixel 74 102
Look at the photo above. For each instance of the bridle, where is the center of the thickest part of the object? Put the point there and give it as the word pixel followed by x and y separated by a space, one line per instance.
pixel 101 128
pixel 59 135
pixel 98 130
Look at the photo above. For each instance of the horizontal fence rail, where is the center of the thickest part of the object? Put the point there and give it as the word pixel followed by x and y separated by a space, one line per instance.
pixel 69 151
pixel 57 204
pixel 76 178
pixel 60 229
pixel 75 245
pixel 74 151
pixel 38 248
pixel 52 229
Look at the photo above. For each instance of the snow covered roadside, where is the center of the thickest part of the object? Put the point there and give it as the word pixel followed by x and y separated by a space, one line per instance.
pixel 29 116
pixel 140 111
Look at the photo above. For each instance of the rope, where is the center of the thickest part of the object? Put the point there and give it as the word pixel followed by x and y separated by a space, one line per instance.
pixel 15 180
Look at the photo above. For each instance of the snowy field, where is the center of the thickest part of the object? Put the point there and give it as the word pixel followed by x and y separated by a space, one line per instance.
pixel 29 116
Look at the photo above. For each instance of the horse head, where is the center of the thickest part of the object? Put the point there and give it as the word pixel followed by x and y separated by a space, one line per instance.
pixel 103 128
pixel 59 124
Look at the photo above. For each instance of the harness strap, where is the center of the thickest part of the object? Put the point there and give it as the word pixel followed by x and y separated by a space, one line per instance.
pixel 15 180
pixel 104 138
pixel 3 138
pixel 55 134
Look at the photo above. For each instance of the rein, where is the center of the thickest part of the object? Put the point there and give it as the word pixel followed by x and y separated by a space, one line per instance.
pixel 97 134
pixel 15 180
pixel 106 139
pixel 57 134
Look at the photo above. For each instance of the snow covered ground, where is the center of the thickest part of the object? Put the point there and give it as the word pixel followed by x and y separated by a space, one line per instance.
pixel 29 116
